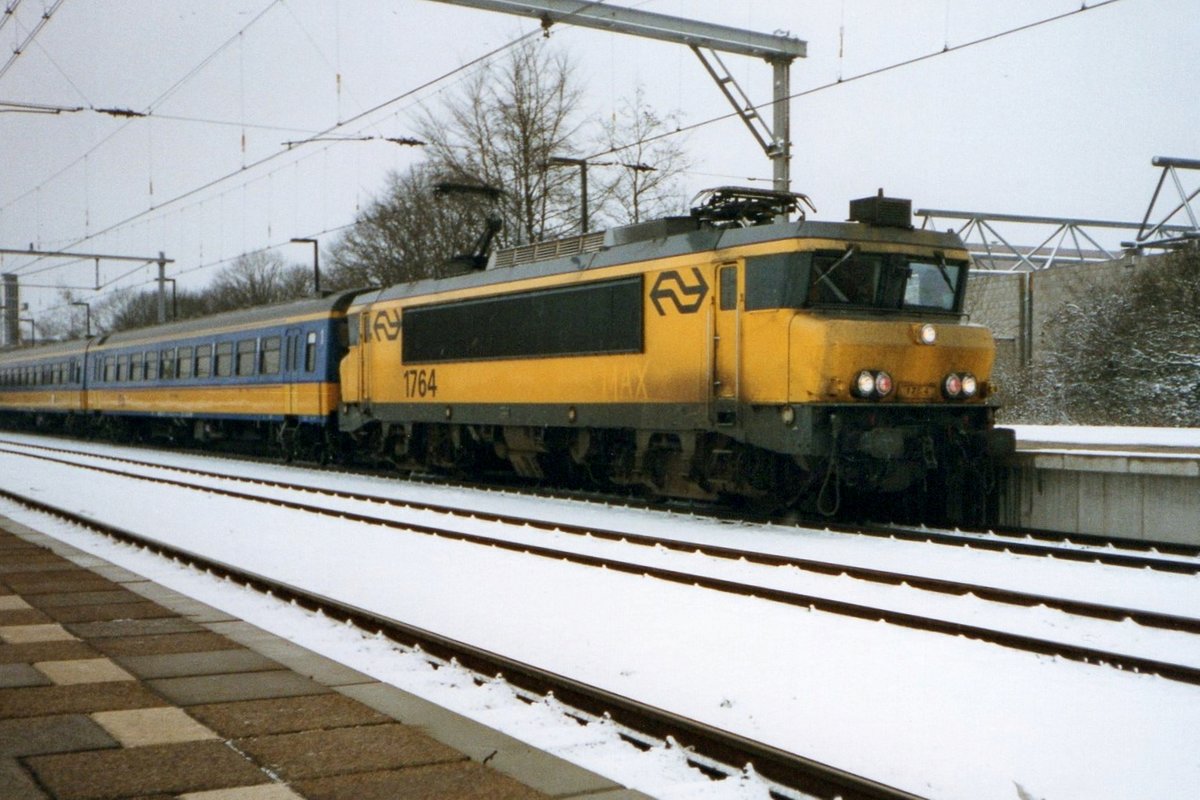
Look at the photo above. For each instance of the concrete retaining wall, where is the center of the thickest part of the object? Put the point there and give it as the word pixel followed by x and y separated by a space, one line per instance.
pixel 1142 497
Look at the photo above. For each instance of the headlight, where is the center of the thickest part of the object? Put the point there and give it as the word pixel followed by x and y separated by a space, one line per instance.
pixel 969 385
pixel 952 386
pixel 872 384
pixel 926 334
pixel 883 384
pixel 864 384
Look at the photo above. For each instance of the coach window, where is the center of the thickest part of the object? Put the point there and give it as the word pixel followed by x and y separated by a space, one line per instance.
pixel 185 363
pixel 166 369
pixel 137 368
pixel 246 356
pixel 151 365
pixel 728 286
pixel 268 359
pixel 310 352
pixel 203 360
pixel 122 373
pixel 224 365
pixel 58 373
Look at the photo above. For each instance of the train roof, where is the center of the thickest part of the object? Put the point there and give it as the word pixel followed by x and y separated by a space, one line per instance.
pixel 276 314
pixel 664 238
pixel 43 352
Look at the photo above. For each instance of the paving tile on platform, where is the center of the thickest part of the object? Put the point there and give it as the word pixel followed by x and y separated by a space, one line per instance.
pixel 56 581
pixel 527 764
pixel 86 670
pixel 16 783
pixel 28 616
pixel 85 598
pixel 109 612
pixel 464 780
pixel 140 771
pixel 25 634
pixel 265 791
pixel 63 733
pixel 44 651
pixel 202 641
pixel 14 675
pixel 213 662
pixel 313 754
pixel 145 726
pixel 292 655
pixel 82 698
pixel 132 627
pixel 117 574
pixel 241 686
pixel 286 715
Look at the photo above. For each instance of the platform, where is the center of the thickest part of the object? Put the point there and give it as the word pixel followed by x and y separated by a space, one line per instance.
pixel 114 687
pixel 1136 483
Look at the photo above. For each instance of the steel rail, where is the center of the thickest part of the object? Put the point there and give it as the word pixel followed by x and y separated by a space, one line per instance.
pixel 804 775
pixel 1026 643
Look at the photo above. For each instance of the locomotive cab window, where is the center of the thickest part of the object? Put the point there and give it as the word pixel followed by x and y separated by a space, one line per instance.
pixel 932 284
pixel 727 278
pixel 777 281
pixel 884 281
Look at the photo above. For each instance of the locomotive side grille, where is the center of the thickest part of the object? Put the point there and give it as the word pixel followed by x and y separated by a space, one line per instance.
pixel 555 248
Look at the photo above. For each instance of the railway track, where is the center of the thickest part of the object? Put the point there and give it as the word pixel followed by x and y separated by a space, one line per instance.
pixel 641 543
pixel 709 748
pixel 1110 551
pixel 1084 548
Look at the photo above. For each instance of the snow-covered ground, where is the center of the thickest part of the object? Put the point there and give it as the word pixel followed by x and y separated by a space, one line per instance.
pixel 936 715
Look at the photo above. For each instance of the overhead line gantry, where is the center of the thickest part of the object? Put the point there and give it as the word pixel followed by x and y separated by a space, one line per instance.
pixel 706 40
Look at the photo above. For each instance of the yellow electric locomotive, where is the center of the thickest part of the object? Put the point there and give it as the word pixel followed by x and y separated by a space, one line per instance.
pixel 718 354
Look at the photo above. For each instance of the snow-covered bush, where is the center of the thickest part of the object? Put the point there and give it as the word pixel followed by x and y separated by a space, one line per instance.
pixel 1119 355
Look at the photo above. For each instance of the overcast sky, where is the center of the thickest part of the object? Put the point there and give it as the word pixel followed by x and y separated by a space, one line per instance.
pixel 1061 119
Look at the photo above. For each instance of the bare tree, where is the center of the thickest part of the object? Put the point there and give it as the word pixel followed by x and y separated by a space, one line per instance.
pixel 411 232
pixel 257 279
pixel 129 309
pixel 643 177
pixel 502 128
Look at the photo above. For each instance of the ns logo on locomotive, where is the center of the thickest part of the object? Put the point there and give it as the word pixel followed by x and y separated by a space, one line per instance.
pixel 726 354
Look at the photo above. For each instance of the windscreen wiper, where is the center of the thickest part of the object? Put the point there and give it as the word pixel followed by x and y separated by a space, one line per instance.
pixel 824 276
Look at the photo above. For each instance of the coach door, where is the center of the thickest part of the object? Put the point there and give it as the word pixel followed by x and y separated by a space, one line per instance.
pixel 726 346
pixel 293 370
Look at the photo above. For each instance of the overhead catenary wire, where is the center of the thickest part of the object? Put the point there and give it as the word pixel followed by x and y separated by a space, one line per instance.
pixel 41 23
pixel 272 156
pixel 946 50
pixel 683 129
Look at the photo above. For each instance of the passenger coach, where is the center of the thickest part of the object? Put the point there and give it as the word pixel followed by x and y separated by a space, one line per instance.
pixel 261 375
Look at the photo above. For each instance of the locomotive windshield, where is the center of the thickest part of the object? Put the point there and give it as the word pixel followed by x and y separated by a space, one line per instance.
pixel 853 279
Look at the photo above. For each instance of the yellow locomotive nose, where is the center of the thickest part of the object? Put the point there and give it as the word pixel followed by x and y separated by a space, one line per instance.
pixel 829 358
